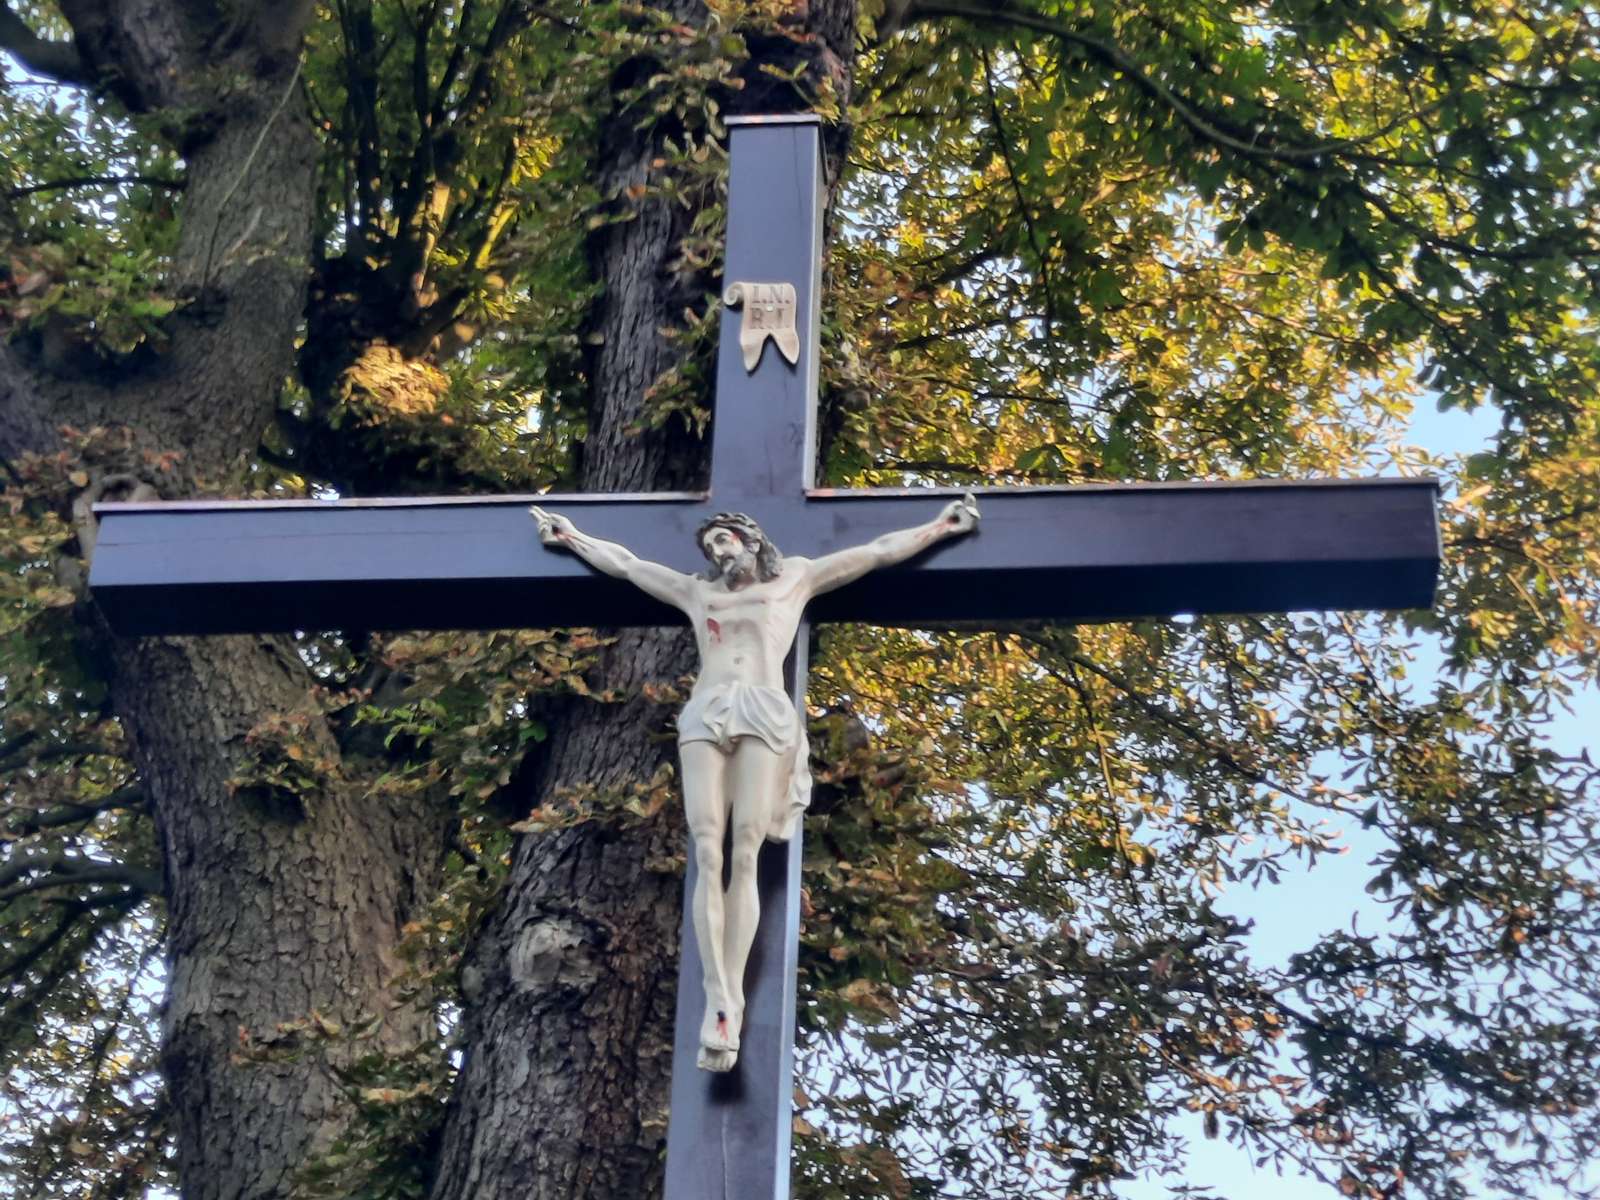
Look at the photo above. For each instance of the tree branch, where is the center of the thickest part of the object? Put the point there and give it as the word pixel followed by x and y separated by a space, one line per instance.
pixel 66 924
pixel 23 999
pixel 512 18
pixel 139 880
pixel 132 796
pixel 14 745
pixel 57 60
pixel 452 69
pixel 54 185
pixel 1210 126
pixel 1003 141
pixel 61 870
pixel 12 758
pixel 361 62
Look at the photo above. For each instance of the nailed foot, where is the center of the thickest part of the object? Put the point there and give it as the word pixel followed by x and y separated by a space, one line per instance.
pixel 716 1060
pixel 719 1040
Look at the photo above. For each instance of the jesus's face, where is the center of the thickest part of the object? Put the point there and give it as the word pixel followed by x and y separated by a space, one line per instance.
pixel 733 557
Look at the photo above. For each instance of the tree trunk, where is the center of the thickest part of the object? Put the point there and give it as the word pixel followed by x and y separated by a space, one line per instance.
pixel 286 897
pixel 569 989
pixel 283 905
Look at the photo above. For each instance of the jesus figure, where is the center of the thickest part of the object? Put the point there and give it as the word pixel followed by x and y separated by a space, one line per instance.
pixel 741 744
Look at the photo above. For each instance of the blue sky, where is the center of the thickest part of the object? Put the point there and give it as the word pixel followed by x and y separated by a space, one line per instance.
pixel 1289 916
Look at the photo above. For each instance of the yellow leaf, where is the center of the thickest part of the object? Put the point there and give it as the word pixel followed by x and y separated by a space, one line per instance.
pixel 863 993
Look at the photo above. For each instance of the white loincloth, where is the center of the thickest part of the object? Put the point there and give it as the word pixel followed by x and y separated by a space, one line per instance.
pixel 724 712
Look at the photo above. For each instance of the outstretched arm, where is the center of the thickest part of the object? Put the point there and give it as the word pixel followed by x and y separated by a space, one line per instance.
pixel 836 570
pixel 673 587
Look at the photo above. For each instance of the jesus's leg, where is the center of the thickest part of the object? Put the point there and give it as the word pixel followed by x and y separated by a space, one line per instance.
pixel 703 768
pixel 758 779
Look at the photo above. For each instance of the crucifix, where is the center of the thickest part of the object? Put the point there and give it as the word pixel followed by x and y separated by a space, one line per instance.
pixel 1067 554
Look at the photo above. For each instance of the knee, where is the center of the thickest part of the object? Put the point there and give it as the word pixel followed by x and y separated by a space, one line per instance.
pixel 745 849
pixel 708 856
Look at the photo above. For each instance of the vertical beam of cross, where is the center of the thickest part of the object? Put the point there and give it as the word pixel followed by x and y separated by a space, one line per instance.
pixel 728 1135
pixel 762 432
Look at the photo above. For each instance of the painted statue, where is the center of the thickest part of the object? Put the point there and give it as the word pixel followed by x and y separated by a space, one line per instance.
pixel 742 750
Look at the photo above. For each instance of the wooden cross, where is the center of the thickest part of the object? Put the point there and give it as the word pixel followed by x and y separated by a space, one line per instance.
pixel 1068 554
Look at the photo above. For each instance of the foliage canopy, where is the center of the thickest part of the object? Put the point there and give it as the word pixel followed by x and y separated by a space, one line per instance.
pixel 1070 242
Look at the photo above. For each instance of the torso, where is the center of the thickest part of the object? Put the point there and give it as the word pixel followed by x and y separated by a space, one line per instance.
pixel 745 634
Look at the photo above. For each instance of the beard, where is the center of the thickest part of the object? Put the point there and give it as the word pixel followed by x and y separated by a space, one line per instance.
pixel 737 568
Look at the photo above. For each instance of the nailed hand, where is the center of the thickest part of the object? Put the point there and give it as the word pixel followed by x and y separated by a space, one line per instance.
pixel 553 527
pixel 962 514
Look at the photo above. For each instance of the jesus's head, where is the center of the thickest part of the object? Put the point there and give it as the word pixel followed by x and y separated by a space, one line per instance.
pixel 737 549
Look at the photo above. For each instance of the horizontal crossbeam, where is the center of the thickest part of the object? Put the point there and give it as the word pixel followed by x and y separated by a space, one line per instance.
pixel 1076 554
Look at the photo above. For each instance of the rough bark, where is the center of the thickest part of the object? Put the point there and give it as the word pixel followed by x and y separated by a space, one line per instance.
pixel 571 985
pixel 240 266
pixel 569 991
pixel 282 902
pixel 282 905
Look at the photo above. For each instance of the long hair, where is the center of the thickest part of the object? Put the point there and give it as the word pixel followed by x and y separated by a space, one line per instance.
pixel 768 561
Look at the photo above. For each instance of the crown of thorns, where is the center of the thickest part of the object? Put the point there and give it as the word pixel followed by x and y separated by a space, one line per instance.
pixel 741 523
pixel 768 561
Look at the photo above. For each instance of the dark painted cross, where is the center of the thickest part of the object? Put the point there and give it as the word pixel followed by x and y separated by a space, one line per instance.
pixel 1068 554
